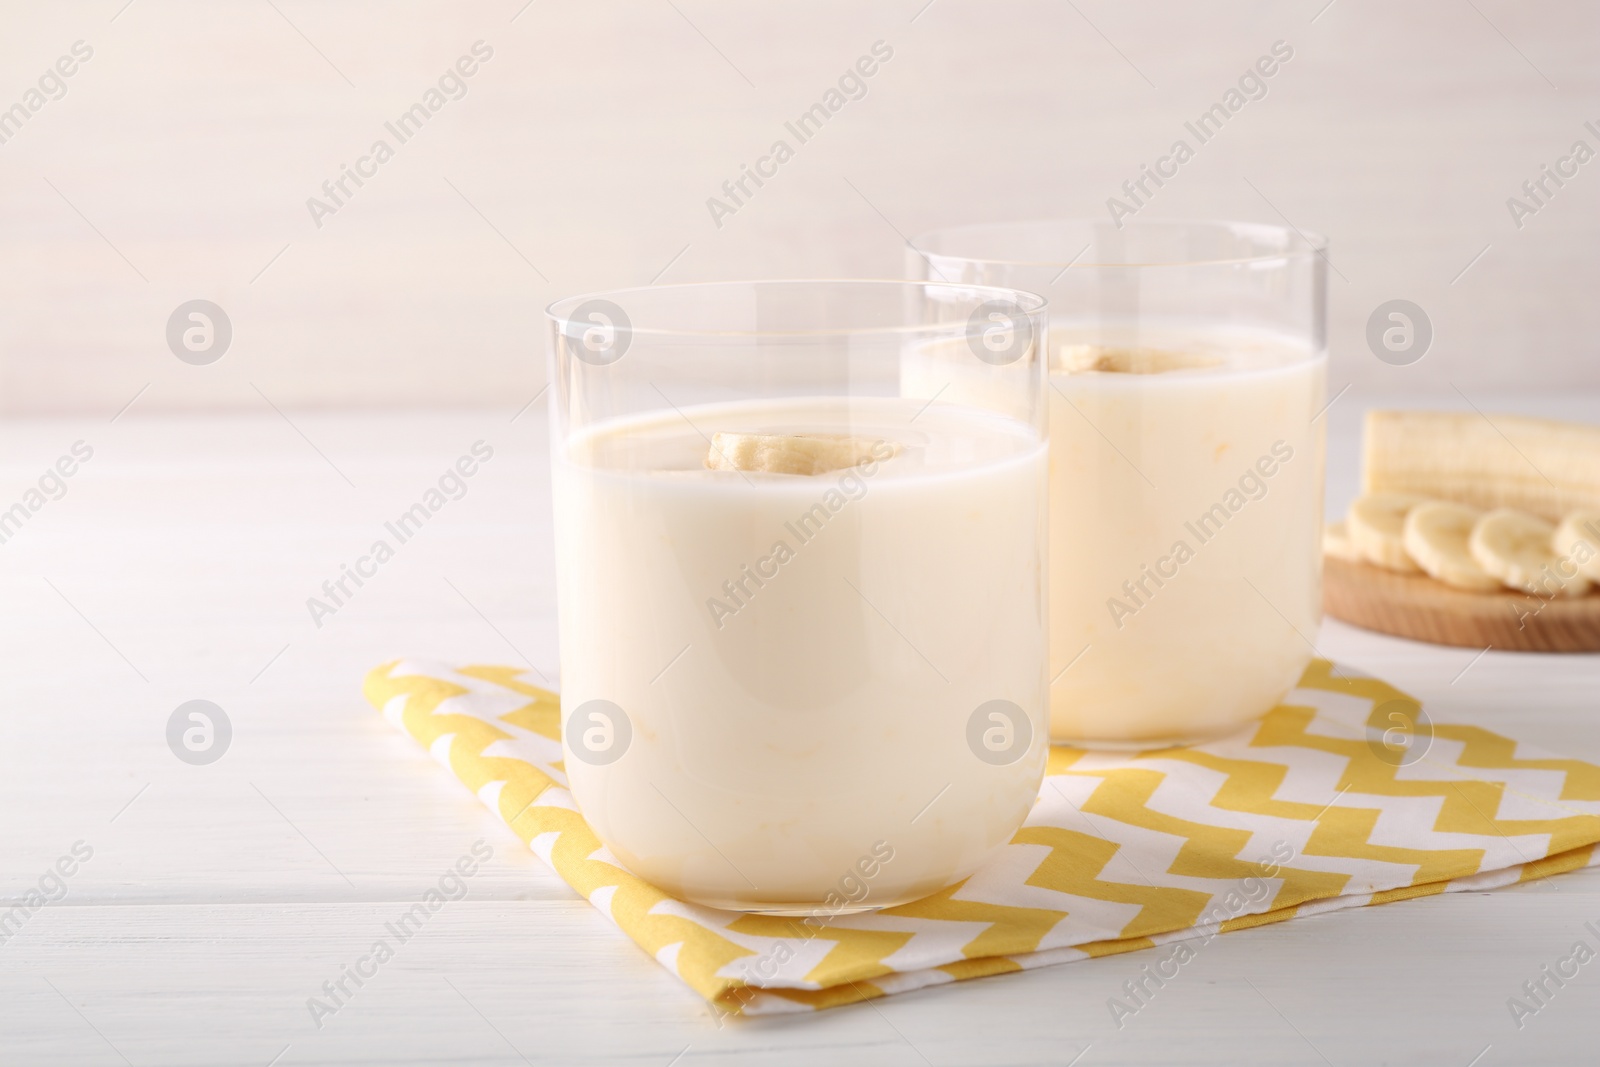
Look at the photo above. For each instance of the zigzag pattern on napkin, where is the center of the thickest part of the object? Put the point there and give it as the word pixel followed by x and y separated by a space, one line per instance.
pixel 1122 852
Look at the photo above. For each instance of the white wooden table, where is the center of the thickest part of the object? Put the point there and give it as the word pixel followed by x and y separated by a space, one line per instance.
pixel 219 898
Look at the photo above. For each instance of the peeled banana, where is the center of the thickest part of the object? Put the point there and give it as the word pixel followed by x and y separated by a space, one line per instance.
pixel 1541 466
pixel 1518 549
pixel 794 453
pixel 1436 536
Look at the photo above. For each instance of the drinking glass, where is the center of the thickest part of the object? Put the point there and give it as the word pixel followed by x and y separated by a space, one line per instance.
pixel 802 614
pixel 1187 373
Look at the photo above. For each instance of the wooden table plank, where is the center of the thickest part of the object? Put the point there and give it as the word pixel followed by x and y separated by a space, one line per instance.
pixel 1423 982
pixel 222 896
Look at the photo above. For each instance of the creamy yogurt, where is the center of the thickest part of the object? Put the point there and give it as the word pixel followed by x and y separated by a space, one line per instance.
pixel 799 659
pixel 1186 473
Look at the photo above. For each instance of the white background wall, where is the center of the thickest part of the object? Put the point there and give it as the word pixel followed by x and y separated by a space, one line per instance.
pixel 584 151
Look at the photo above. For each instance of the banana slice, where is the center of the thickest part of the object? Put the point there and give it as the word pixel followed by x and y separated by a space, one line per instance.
pixel 1436 536
pixel 1518 548
pixel 1377 527
pixel 1336 543
pixel 1076 359
pixel 1578 538
pixel 804 454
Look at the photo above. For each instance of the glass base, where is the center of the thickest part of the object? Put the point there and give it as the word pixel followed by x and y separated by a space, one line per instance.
pixel 816 909
pixel 1152 744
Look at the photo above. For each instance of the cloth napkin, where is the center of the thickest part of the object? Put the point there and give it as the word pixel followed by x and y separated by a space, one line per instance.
pixel 1343 795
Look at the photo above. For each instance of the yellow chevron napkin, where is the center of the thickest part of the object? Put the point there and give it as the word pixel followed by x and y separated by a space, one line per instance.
pixel 1316 807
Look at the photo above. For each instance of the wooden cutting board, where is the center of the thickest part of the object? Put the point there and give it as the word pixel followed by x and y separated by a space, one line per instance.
pixel 1416 606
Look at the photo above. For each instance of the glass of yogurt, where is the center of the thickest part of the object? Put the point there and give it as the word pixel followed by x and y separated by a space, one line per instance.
pixel 1187 379
pixel 802 610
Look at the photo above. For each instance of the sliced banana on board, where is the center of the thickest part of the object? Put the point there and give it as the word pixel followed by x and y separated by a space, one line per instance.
pixel 1435 535
pixel 1519 549
pixel 803 454
pixel 1377 527
pixel 1578 538
pixel 1336 543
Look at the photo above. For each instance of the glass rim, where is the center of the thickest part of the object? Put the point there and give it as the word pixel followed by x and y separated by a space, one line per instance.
pixel 1027 302
pixel 1310 242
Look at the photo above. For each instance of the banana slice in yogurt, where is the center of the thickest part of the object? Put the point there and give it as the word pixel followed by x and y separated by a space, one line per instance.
pixel 803 454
